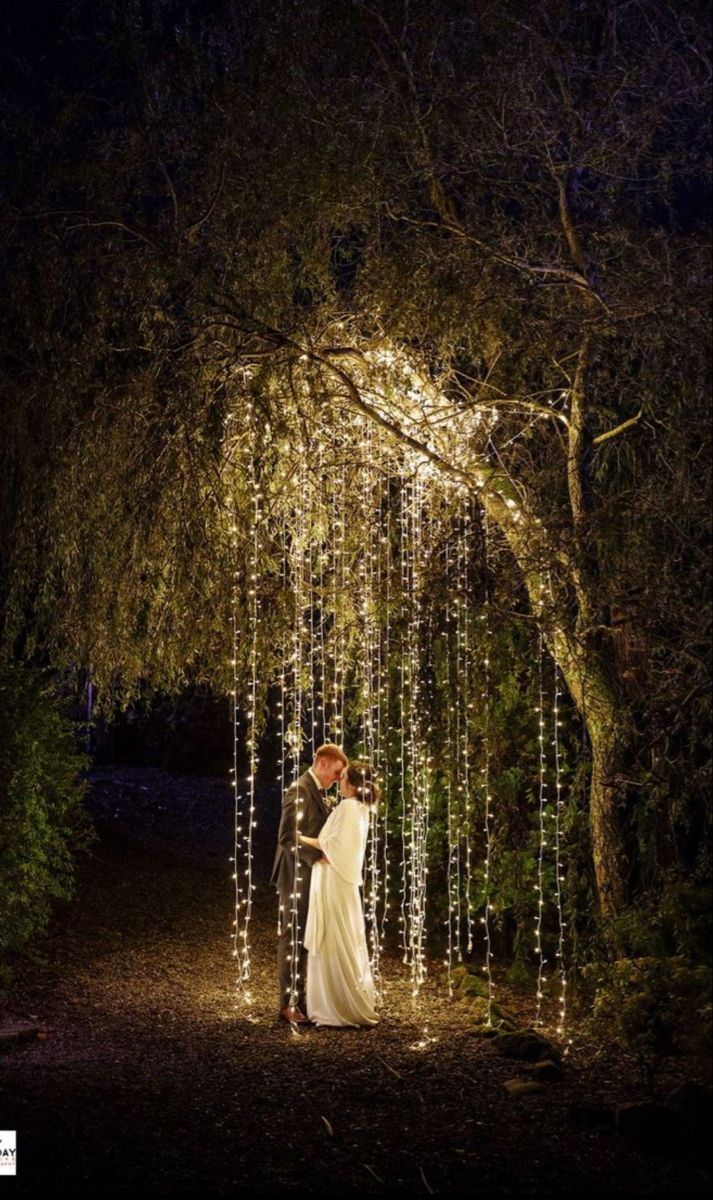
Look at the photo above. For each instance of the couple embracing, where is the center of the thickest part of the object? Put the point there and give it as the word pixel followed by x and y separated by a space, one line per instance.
pixel 333 978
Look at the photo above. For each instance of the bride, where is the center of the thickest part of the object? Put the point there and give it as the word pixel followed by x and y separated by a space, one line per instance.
pixel 340 986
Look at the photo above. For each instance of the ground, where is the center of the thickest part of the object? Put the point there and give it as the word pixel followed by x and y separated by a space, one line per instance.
pixel 151 1077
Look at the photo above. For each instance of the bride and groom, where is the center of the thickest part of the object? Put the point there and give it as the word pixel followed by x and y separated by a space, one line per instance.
pixel 333 981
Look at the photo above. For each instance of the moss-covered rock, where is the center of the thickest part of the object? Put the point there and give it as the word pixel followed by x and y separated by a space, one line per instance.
pixel 474 985
pixel 525 1044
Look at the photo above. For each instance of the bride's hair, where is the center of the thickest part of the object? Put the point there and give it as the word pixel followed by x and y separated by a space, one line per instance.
pixel 361 777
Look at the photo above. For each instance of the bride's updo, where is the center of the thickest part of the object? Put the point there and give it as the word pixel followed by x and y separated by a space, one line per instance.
pixel 361 777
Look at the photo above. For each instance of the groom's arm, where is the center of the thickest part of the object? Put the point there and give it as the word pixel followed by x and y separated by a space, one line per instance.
pixel 308 841
pixel 286 834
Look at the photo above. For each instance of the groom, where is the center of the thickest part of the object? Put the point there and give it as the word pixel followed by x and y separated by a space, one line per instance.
pixel 308 792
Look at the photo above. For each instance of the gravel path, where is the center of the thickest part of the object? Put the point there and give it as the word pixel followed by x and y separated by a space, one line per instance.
pixel 151 1078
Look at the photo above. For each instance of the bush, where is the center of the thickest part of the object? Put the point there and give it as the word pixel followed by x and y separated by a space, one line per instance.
pixel 657 1007
pixel 41 796
pixel 673 920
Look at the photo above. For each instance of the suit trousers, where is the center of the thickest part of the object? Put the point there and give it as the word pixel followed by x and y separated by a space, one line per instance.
pixel 284 942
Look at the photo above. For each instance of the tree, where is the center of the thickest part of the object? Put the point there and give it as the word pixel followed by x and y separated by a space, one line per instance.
pixel 500 204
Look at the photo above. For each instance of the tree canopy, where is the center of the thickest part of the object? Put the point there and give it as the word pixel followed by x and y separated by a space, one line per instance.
pixel 233 225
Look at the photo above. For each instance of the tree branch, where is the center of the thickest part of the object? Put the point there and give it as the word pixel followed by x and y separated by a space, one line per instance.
pixel 575 444
pixel 116 225
pixel 190 230
pixel 612 433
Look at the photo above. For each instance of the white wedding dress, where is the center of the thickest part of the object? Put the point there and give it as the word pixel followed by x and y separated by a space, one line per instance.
pixel 340 986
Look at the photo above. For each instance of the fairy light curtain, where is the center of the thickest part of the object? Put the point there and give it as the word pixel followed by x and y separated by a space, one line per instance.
pixel 377 567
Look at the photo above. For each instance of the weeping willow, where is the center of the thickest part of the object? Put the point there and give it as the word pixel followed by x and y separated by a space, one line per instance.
pixel 367 566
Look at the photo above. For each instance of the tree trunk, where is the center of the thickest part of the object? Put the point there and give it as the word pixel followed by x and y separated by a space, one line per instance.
pixel 593 692
pixel 596 699
pixel 608 746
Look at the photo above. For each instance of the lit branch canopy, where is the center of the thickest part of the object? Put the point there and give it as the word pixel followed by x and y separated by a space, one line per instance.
pixel 370 286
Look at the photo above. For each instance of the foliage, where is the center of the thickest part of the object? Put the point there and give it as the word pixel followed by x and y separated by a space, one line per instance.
pixel 213 207
pixel 657 1007
pixel 41 795
pixel 676 921
pixel 281 168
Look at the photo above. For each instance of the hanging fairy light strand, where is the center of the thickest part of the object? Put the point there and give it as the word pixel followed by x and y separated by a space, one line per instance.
pixel 559 805
pixel 311 701
pixel 448 759
pixel 404 684
pixel 385 731
pixel 461 739
pixel 297 547
pixel 557 815
pixel 420 772
pixel 336 544
pixel 485 769
pixel 378 824
pixel 236 744
pixel 367 652
pixel 341 644
pixel 323 529
pixel 246 798
pixel 542 812
pixel 466 687
pixel 285 658
pixel 252 714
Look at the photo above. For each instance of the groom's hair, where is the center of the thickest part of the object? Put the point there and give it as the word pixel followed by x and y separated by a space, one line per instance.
pixel 330 750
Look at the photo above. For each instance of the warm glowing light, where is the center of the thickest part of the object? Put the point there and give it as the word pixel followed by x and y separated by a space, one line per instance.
pixel 355 667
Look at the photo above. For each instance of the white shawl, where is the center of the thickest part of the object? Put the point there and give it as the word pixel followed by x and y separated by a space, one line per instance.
pixel 342 839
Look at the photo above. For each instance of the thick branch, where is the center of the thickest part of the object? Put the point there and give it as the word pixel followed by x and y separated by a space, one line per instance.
pixel 575 444
pixel 612 433
pixel 579 258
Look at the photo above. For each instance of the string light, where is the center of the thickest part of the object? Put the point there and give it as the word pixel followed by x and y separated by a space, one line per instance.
pixel 367 650
pixel 236 740
pixel 243 844
pixel 485 769
pixel 323 525
pixel 542 812
pixel 448 768
pixel 420 762
pixel 284 659
pixel 467 680
pixel 384 756
pixel 461 738
pixel 297 557
pixel 558 808
pixel 341 637
pixel 404 683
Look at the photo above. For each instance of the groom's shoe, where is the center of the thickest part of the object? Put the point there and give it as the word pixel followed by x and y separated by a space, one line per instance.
pixel 294 1015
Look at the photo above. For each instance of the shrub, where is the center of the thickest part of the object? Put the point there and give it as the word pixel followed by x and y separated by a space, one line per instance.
pixel 657 1007
pixel 45 825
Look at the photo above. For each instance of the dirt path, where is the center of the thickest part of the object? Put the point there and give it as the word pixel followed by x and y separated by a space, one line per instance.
pixel 151 1078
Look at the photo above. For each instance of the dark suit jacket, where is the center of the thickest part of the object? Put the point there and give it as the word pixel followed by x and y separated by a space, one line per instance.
pixel 313 815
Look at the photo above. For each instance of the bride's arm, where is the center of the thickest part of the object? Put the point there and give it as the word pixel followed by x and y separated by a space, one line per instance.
pixel 309 841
